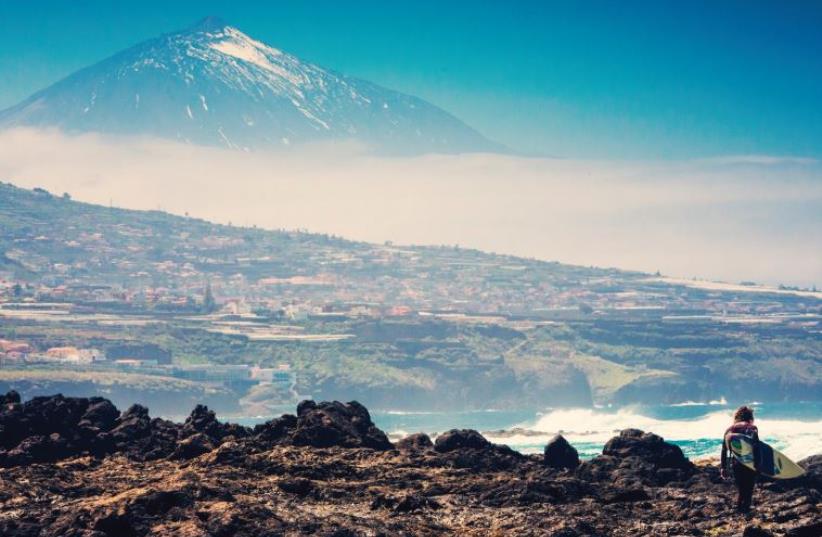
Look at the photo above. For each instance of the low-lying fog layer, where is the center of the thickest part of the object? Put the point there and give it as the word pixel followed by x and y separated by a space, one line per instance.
pixel 735 218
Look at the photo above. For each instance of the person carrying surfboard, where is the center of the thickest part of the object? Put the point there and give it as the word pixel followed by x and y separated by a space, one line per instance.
pixel 744 476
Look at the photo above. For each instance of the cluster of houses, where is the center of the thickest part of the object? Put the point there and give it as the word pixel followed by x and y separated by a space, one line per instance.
pixel 145 360
pixel 21 352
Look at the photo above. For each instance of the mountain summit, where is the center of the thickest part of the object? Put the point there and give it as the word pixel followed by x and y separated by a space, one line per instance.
pixel 211 84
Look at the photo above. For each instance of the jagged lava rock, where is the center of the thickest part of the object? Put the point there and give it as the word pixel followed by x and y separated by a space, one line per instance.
pixel 264 484
pixel 336 424
pixel 275 430
pixel 192 446
pixel 204 421
pixel 466 448
pixel 635 458
pixel 101 414
pixel 813 471
pixel 415 442
pixel 648 446
pixel 46 429
pixel 12 397
pixel 460 439
pixel 560 454
pixel 756 531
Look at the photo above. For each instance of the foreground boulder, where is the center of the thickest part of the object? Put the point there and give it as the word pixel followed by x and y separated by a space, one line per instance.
pixel 466 448
pixel 460 439
pixel 560 454
pixel 10 398
pixel 204 421
pixel 192 446
pixel 276 430
pixel 144 438
pixel 45 429
pixel 647 446
pixel 337 424
pixel 813 471
pixel 636 458
pixel 415 442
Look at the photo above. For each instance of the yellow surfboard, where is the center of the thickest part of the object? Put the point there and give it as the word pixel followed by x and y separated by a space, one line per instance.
pixel 771 463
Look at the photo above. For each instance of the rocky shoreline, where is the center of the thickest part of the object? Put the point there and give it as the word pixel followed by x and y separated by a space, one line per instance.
pixel 79 467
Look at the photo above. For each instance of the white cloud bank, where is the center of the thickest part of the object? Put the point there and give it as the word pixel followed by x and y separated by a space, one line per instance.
pixel 738 218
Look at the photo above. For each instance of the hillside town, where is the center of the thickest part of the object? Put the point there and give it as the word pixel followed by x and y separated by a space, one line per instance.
pixel 266 316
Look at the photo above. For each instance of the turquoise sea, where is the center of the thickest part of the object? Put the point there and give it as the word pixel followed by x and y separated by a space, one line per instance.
pixel 794 428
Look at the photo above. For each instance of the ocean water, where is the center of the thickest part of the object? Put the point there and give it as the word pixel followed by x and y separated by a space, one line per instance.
pixel 793 428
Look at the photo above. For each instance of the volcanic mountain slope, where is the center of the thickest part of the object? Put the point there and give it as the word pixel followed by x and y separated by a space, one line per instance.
pixel 73 467
pixel 213 85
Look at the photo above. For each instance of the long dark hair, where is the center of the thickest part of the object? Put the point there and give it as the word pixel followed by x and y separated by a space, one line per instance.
pixel 743 413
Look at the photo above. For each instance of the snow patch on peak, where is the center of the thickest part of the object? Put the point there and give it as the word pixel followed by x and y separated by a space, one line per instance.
pixel 237 45
pixel 237 35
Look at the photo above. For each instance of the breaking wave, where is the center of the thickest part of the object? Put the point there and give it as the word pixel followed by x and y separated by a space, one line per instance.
pixel 699 437
pixel 716 402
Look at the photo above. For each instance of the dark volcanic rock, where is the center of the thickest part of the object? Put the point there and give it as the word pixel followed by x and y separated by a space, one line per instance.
pixel 100 414
pixel 635 458
pixel 192 446
pixel 756 531
pixel 143 438
pixel 11 397
pixel 813 471
pixel 461 439
pixel 625 495
pixel 337 424
pixel 276 430
pixel 415 442
pixel 38 448
pixel 806 528
pixel 560 454
pixel 405 504
pixel 204 421
pixel 647 446
pixel 166 480
pixel 298 486
pixel 540 487
pixel 466 448
pixel 133 423
pixel 415 502
pixel 47 429
pixel 201 420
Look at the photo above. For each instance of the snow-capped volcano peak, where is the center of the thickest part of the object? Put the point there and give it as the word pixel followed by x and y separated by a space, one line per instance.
pixel 212 84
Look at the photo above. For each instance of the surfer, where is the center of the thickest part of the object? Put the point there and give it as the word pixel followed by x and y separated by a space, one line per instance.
pixel 744 477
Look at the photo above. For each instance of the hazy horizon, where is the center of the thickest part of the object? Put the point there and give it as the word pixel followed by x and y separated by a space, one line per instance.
pixel 733 219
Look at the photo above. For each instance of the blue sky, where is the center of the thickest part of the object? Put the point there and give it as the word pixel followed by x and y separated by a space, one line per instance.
pixel 634 80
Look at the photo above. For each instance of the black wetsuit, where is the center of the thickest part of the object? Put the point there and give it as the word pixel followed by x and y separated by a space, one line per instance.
pixel 745 477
